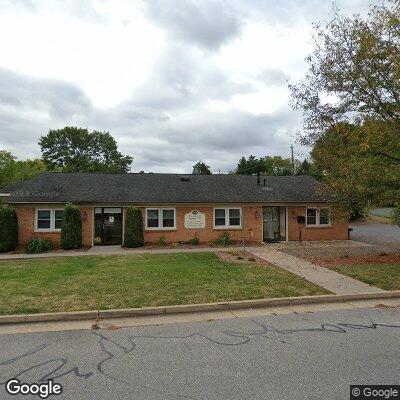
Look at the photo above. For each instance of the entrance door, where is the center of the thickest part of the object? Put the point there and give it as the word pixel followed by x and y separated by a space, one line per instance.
pixel 107 226
pixel 274 223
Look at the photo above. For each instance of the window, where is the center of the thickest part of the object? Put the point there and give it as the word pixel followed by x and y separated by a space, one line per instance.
pixel 220 217
pixel 43 219
pixel 49 219
pixel 160 218
pixel 234 217
pixel 58 218
pixel 318 217
pixel 168 218
pixel 152 218
pixel 227 218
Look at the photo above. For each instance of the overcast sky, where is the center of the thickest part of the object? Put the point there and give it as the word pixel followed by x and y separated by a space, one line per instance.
pixel 174 81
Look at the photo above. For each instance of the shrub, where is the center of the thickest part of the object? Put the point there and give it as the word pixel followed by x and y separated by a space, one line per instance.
pixel 161 241
pixel 194 241
pixel 8 229
pixel 133 228
pixel 38 245
pixel 71 230
pixel 224 239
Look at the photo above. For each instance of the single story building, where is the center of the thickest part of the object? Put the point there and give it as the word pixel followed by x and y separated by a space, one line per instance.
pixel 177 207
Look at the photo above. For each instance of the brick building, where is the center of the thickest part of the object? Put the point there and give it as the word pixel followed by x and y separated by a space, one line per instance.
pixel 177 207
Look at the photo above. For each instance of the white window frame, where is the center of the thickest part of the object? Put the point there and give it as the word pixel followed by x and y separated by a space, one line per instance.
pixel 317 217
pixel 52 220
pixel 227 225
pixel 160 219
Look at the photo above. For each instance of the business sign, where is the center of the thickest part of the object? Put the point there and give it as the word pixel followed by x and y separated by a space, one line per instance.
pixel 195 219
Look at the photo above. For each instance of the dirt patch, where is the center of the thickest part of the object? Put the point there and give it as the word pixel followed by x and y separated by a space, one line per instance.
pixel 240 257
pixel 361 259
pixel 381 305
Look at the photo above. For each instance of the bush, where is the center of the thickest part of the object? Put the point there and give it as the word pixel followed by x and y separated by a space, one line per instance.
pixel 8 229
pixel 133 228
pixel 194 241
pixel 38 245
pixel 161 241
pixel 71 230
pixel 224 239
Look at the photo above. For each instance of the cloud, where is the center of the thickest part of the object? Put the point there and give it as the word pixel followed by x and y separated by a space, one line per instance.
pixel 273 77
pixel 159 141
pixel 173 83
pixel 207 24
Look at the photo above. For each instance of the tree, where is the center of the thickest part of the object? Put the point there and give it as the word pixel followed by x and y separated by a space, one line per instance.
pixel 268 165
pixel 250 166
pixel 304 168
pixel 8 229
pixel 134 228
pixel 74 149
pixel 353 73
pixel 71 230
pixel 13 170
pixel 276 165
pixel 357 177
pixel 350 101
pixel 201 168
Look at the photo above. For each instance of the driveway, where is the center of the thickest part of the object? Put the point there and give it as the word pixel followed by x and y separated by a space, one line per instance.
pixel 383 235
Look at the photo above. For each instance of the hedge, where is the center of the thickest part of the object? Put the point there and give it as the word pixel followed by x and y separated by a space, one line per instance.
pixel 71 230
pixel 8 229
pixel 133 228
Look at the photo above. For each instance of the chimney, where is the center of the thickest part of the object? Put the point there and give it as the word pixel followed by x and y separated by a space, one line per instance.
pixel 258 178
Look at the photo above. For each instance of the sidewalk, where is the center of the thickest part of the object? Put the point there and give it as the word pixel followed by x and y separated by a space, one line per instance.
pixel 323 277
pixel 112 250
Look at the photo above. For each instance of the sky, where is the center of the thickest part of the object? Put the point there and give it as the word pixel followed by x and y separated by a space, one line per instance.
pixel 174 81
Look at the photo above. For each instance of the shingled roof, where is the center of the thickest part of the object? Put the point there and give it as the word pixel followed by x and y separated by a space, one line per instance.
pixel 163 188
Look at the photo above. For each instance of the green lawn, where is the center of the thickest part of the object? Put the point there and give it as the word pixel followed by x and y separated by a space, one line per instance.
pixel 104 282
pixel 384 276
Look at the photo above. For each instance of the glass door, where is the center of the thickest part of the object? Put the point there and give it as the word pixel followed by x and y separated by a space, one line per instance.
pixel 274 225
pixel 107 226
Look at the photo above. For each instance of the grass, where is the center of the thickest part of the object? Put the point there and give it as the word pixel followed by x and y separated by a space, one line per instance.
pixel 384 276
pixel 105 282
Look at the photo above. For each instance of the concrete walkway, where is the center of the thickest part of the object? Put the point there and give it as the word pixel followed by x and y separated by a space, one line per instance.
pixel 323 277
pixel 112 250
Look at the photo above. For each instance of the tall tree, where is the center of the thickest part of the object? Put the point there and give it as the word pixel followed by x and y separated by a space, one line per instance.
pixel 350 101
pixel 268 165
pixel 250 166
pixel 74 149
pixel 304 168
pixel 13 170
pixel 276 165
pixel 200 168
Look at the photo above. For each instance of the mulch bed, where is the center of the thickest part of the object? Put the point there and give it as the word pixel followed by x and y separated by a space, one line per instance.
pixel 240 257
pixel 361 259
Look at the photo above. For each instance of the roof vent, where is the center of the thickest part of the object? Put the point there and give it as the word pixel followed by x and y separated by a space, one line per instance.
pixel 185 179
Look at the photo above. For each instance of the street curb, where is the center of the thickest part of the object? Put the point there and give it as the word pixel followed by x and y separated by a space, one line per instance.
pixel 192 308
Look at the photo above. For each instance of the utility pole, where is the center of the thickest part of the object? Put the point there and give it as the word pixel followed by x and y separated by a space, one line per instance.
pixel 291 148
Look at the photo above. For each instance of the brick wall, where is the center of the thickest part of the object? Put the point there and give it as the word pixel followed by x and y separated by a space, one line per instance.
pixel 26 226
pixel 251 230
pixel 337 230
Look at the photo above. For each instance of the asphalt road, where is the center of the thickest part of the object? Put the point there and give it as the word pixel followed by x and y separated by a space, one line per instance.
pixel 382 235
pixel 297 356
